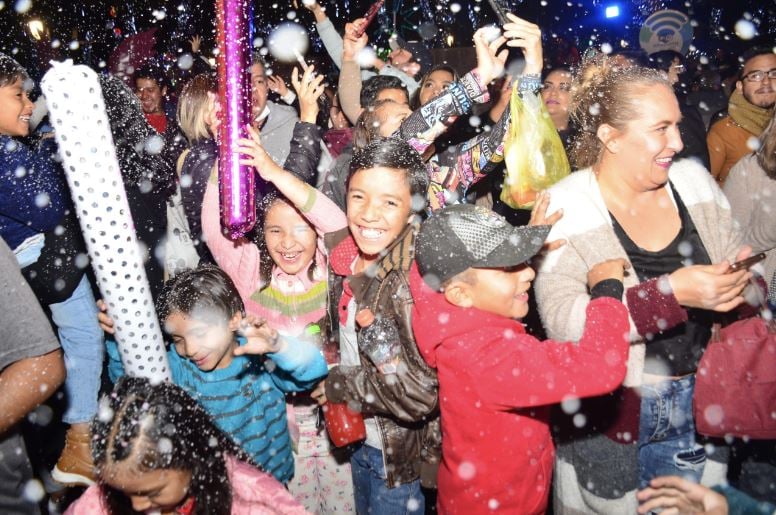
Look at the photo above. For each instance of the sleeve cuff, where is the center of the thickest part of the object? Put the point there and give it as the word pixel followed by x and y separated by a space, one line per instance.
pixel 289 97
pixel 312 196
pixel 526 83
pixel 608 288
pixel 653 306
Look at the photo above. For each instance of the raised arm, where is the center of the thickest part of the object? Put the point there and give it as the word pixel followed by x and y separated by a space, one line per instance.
pixel 349 88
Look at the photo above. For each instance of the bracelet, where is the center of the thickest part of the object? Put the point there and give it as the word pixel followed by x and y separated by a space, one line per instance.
pixel 530 82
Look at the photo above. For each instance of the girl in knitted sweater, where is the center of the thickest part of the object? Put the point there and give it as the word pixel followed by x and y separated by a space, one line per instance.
pixel 282 278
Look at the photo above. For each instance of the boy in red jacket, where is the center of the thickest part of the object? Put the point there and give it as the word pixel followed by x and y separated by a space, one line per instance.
pixel 496 383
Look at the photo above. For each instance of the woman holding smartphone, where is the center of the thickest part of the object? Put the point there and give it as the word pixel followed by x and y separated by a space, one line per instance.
pixel 673 225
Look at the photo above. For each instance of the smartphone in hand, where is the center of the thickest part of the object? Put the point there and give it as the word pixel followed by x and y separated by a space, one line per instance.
pixel 746 263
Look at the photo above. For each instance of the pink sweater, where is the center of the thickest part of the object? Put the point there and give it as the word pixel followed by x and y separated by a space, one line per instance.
pixel 253 493
pixel 289 303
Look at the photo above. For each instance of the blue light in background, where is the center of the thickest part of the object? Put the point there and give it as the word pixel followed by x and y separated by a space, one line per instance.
pixel 612 11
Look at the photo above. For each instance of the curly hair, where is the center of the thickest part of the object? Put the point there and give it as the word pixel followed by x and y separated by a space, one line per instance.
pixel 150 427
pixel 605 92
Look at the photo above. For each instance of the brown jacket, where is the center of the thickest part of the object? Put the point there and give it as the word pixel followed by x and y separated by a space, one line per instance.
pixel 727 143
pixel 405 405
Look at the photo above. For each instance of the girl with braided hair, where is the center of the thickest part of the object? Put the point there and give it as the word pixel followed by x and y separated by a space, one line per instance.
pixel 156 450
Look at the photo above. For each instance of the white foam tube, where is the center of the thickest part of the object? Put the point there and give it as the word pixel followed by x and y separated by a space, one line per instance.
pixel 77 112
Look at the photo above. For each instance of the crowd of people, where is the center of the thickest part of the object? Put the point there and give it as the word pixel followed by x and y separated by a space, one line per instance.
pixel 385 275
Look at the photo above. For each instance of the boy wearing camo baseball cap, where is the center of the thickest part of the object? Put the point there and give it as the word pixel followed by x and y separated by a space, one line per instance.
pixel 496 382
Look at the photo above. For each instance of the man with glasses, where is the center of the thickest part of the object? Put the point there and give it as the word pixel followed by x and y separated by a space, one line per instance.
pixel 749 111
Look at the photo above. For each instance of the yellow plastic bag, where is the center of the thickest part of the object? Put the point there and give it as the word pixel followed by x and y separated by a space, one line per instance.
pixel 533 152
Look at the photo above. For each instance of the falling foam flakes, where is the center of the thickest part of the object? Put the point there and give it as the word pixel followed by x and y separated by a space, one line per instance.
pixel 34 491
pixel 413 504
pixel 713 414
pixel 579 420
pixel 493 504
pixel 366 57
pixel 753 143
pixel 42 200
pixel 81 260
pixel 22 6
pixel 455 8
pixel 491 33
pixel 570 405
pixel 467 470
pixel 606 48
pixel 154 144
pixel 745 29
pixel 165 445
pixel 287 40
pixel 104 411
pixel 186 61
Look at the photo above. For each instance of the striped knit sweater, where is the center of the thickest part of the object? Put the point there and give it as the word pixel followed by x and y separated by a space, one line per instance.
pixel 596 474
pixel 247 398
pixel 289 303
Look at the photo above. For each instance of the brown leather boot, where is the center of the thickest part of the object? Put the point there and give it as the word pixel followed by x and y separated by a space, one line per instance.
pixel 75 465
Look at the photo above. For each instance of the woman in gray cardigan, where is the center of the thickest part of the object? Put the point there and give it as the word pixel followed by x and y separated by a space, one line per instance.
pixel 673 225
pixel 751 190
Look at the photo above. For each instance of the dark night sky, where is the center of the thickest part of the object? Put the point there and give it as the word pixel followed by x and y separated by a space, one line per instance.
pixel 100 25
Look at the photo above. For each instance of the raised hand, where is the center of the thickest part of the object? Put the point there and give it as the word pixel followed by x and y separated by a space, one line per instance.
pixel 257 157
pixel 352 45
pixel 539 217
pixel 196 43
pixel 490 62
pixel 528 36
pixel 277 85
pixel 309 89
pixel 260 338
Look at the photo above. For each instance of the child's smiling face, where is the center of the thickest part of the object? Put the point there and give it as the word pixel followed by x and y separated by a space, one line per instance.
pixel 379 207
pixel 15 109
pixel 291 240
pixel 208 345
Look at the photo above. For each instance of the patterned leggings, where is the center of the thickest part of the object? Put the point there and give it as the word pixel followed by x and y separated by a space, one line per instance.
pixel 322 480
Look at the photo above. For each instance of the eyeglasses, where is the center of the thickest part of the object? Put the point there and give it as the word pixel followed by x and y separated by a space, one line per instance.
pixel 759 75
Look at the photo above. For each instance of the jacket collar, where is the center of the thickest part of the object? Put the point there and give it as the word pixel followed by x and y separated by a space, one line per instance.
pixel 398 256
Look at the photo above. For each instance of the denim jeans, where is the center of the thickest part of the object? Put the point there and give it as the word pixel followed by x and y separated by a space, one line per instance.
pixel 83 346
pixel 667 439
pixel 373 495
pixel 31 251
